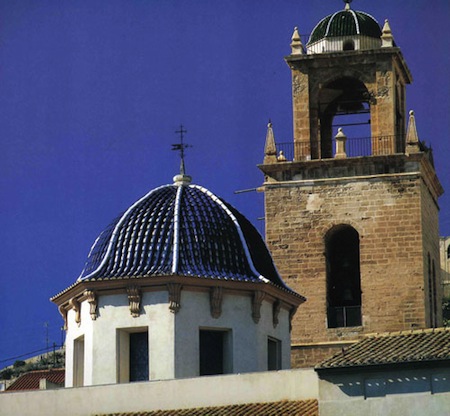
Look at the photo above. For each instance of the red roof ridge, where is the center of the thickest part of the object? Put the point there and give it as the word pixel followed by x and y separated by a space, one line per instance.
pixel 31 379
pixel 46 370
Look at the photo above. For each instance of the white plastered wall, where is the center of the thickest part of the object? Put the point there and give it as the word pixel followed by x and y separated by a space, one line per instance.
pixel 249 340
pixel 75 331
pixel 102 337
pixel 173 338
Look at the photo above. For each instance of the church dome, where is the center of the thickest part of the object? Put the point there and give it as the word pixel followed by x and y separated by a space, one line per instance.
pixel 346 23
pixel 181 229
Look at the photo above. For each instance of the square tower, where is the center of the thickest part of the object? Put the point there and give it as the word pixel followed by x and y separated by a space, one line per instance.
pixel 352 223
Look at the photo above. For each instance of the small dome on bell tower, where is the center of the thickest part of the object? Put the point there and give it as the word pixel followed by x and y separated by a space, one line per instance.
pixel 345 30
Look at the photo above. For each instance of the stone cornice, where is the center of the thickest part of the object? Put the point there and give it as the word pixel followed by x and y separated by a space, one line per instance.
pixel 430 178
pixel 374 55
pixel 84 290
pixel 305 173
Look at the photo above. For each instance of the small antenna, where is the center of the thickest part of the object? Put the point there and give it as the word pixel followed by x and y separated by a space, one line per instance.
pixel 180 147
pixel 46 335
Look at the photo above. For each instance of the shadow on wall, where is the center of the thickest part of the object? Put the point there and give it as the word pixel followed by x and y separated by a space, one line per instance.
pixel 381 384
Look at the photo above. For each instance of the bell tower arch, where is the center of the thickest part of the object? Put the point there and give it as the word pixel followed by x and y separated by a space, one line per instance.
pixel 352 202
pixel 346 82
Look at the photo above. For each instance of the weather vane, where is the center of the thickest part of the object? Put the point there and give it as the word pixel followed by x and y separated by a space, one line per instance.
pixel 180 147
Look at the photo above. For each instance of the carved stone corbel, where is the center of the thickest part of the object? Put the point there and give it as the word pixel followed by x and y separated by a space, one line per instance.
pixel 258 297
pixel 75 304
pixel 276 307
pixel 134 300
pixel 215 299
pixel 291 315
pixel 93 303
pixel 174 296
pixel 63 312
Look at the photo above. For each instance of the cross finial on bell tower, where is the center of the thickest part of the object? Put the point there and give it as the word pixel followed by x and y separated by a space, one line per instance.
pixel 180 147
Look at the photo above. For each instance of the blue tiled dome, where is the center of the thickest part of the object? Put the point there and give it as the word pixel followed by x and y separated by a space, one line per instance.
pixel 181 229
pixel 346 23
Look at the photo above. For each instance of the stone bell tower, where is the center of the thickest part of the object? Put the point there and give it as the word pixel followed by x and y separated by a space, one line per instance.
pixel 352 223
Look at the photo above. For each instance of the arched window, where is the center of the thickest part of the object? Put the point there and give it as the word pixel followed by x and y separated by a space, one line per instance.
pixel 349 45
pixel 432 298
pixel 448 252
pixel 343 277
pixel 344 102
pixel 434 294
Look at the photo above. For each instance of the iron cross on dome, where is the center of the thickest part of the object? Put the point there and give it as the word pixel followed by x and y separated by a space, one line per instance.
pixel 180 147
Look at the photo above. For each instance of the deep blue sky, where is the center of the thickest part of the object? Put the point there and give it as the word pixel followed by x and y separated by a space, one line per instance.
pixel 91 92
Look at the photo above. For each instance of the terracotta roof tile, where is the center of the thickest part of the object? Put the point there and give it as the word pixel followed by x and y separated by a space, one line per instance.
pixel 394 348
pixel 30 381
pixel 282 408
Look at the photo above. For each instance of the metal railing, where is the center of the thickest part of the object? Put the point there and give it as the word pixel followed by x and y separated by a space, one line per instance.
pixel 354 147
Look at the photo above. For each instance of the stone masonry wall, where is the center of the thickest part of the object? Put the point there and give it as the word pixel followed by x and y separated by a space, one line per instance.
pixel 386 214
pixel 430 235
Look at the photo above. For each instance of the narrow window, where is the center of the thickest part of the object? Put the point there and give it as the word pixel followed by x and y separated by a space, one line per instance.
pixel 273 354
pixel 343 277
pixel 434 295
pixel 431 296
pixel 78 362
pixel 214 352
pixel 132 355
pixel 448 252
pixel 139 356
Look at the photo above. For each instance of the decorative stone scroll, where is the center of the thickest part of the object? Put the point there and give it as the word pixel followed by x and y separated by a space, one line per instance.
pixel 93 303
pixel 174 296
pixel 276 307
pixel 63 312
pixel 134 300
pixel 75 304
pixel 258 297
pixel 215 299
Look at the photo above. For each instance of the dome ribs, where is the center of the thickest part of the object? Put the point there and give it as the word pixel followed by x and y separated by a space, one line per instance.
pixel 184 230
pixel 98 250
pixel 345 23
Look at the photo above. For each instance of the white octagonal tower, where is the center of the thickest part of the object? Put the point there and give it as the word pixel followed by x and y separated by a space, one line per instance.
pixel 180 285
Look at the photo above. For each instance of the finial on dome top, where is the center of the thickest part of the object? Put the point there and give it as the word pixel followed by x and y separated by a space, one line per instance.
pixel 182 178
pixel 347 4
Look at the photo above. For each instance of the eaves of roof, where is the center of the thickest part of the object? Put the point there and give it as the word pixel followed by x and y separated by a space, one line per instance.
pixel 407 349
pixel 282 408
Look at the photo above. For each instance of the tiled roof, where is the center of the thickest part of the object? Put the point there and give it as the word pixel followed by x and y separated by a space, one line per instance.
pixel 30 381
pixel 429 345
pixel 283 408
pixel 184 230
